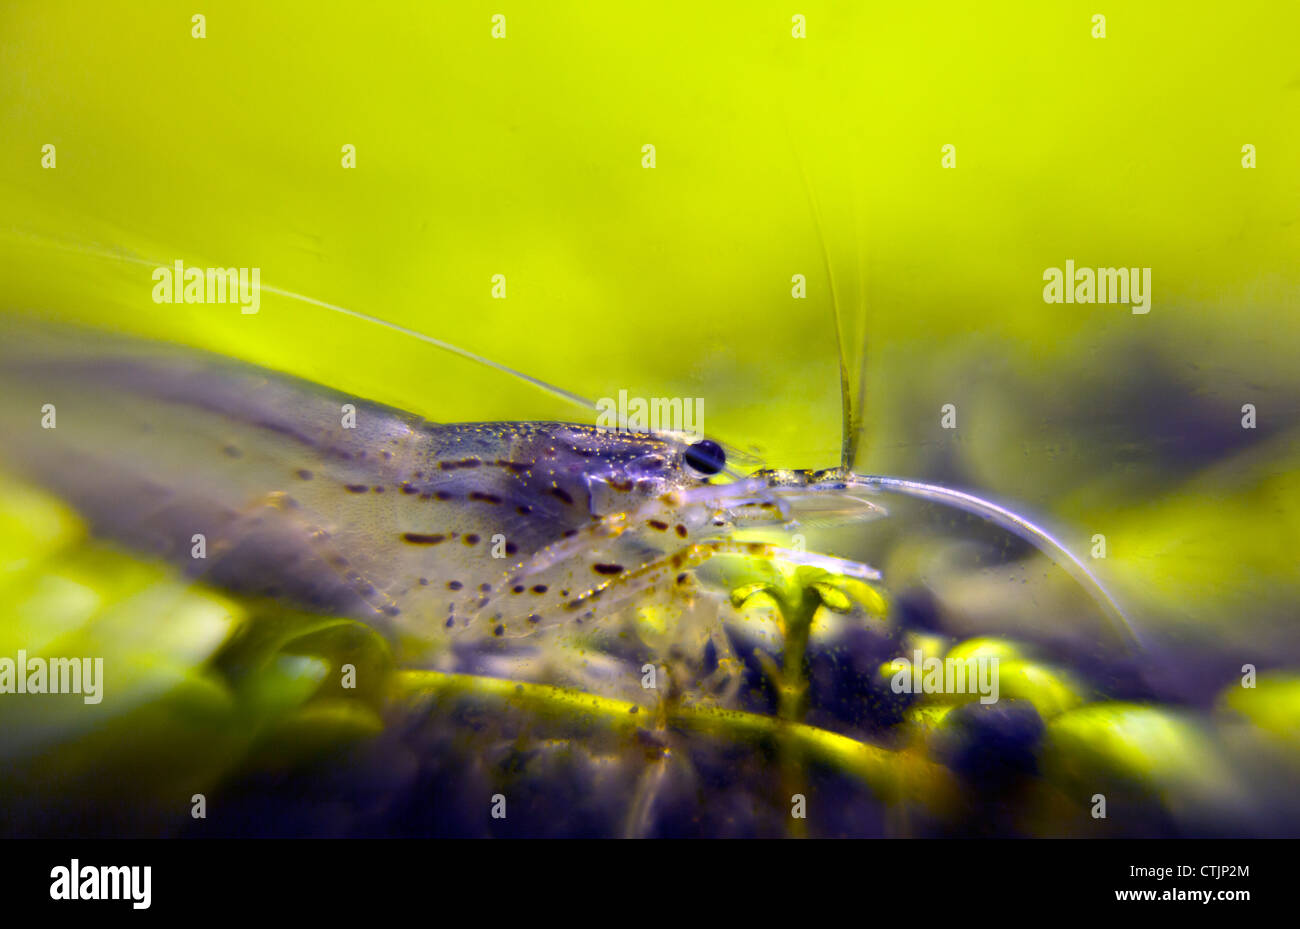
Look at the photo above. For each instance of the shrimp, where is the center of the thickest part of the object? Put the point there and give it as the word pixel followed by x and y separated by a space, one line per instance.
pixel 436 533
pixel 458 540
pixel 548 553
pixel 336 504
pixel 267 485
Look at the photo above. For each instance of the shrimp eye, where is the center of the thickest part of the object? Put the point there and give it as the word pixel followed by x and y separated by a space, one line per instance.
pixel 706 457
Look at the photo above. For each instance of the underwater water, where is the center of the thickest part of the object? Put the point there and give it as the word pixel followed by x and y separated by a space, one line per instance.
pixel 912 210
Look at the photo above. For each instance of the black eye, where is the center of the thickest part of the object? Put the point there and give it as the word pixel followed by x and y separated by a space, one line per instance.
pixel 706 457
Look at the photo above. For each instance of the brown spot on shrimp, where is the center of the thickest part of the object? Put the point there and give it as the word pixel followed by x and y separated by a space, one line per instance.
pixel 422 538
pixel 462 463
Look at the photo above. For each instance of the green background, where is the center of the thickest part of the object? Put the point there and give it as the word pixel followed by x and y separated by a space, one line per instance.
pixel 522 156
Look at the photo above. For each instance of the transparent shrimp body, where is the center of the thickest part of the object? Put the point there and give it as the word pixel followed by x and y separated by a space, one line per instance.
pixel 631 528
pixel 652 541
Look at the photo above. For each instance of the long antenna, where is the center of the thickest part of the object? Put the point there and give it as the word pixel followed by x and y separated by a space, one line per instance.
pixel 560 392
pixel 860 337
pixel 848 416
pixel 1016 524
pixel 566 395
